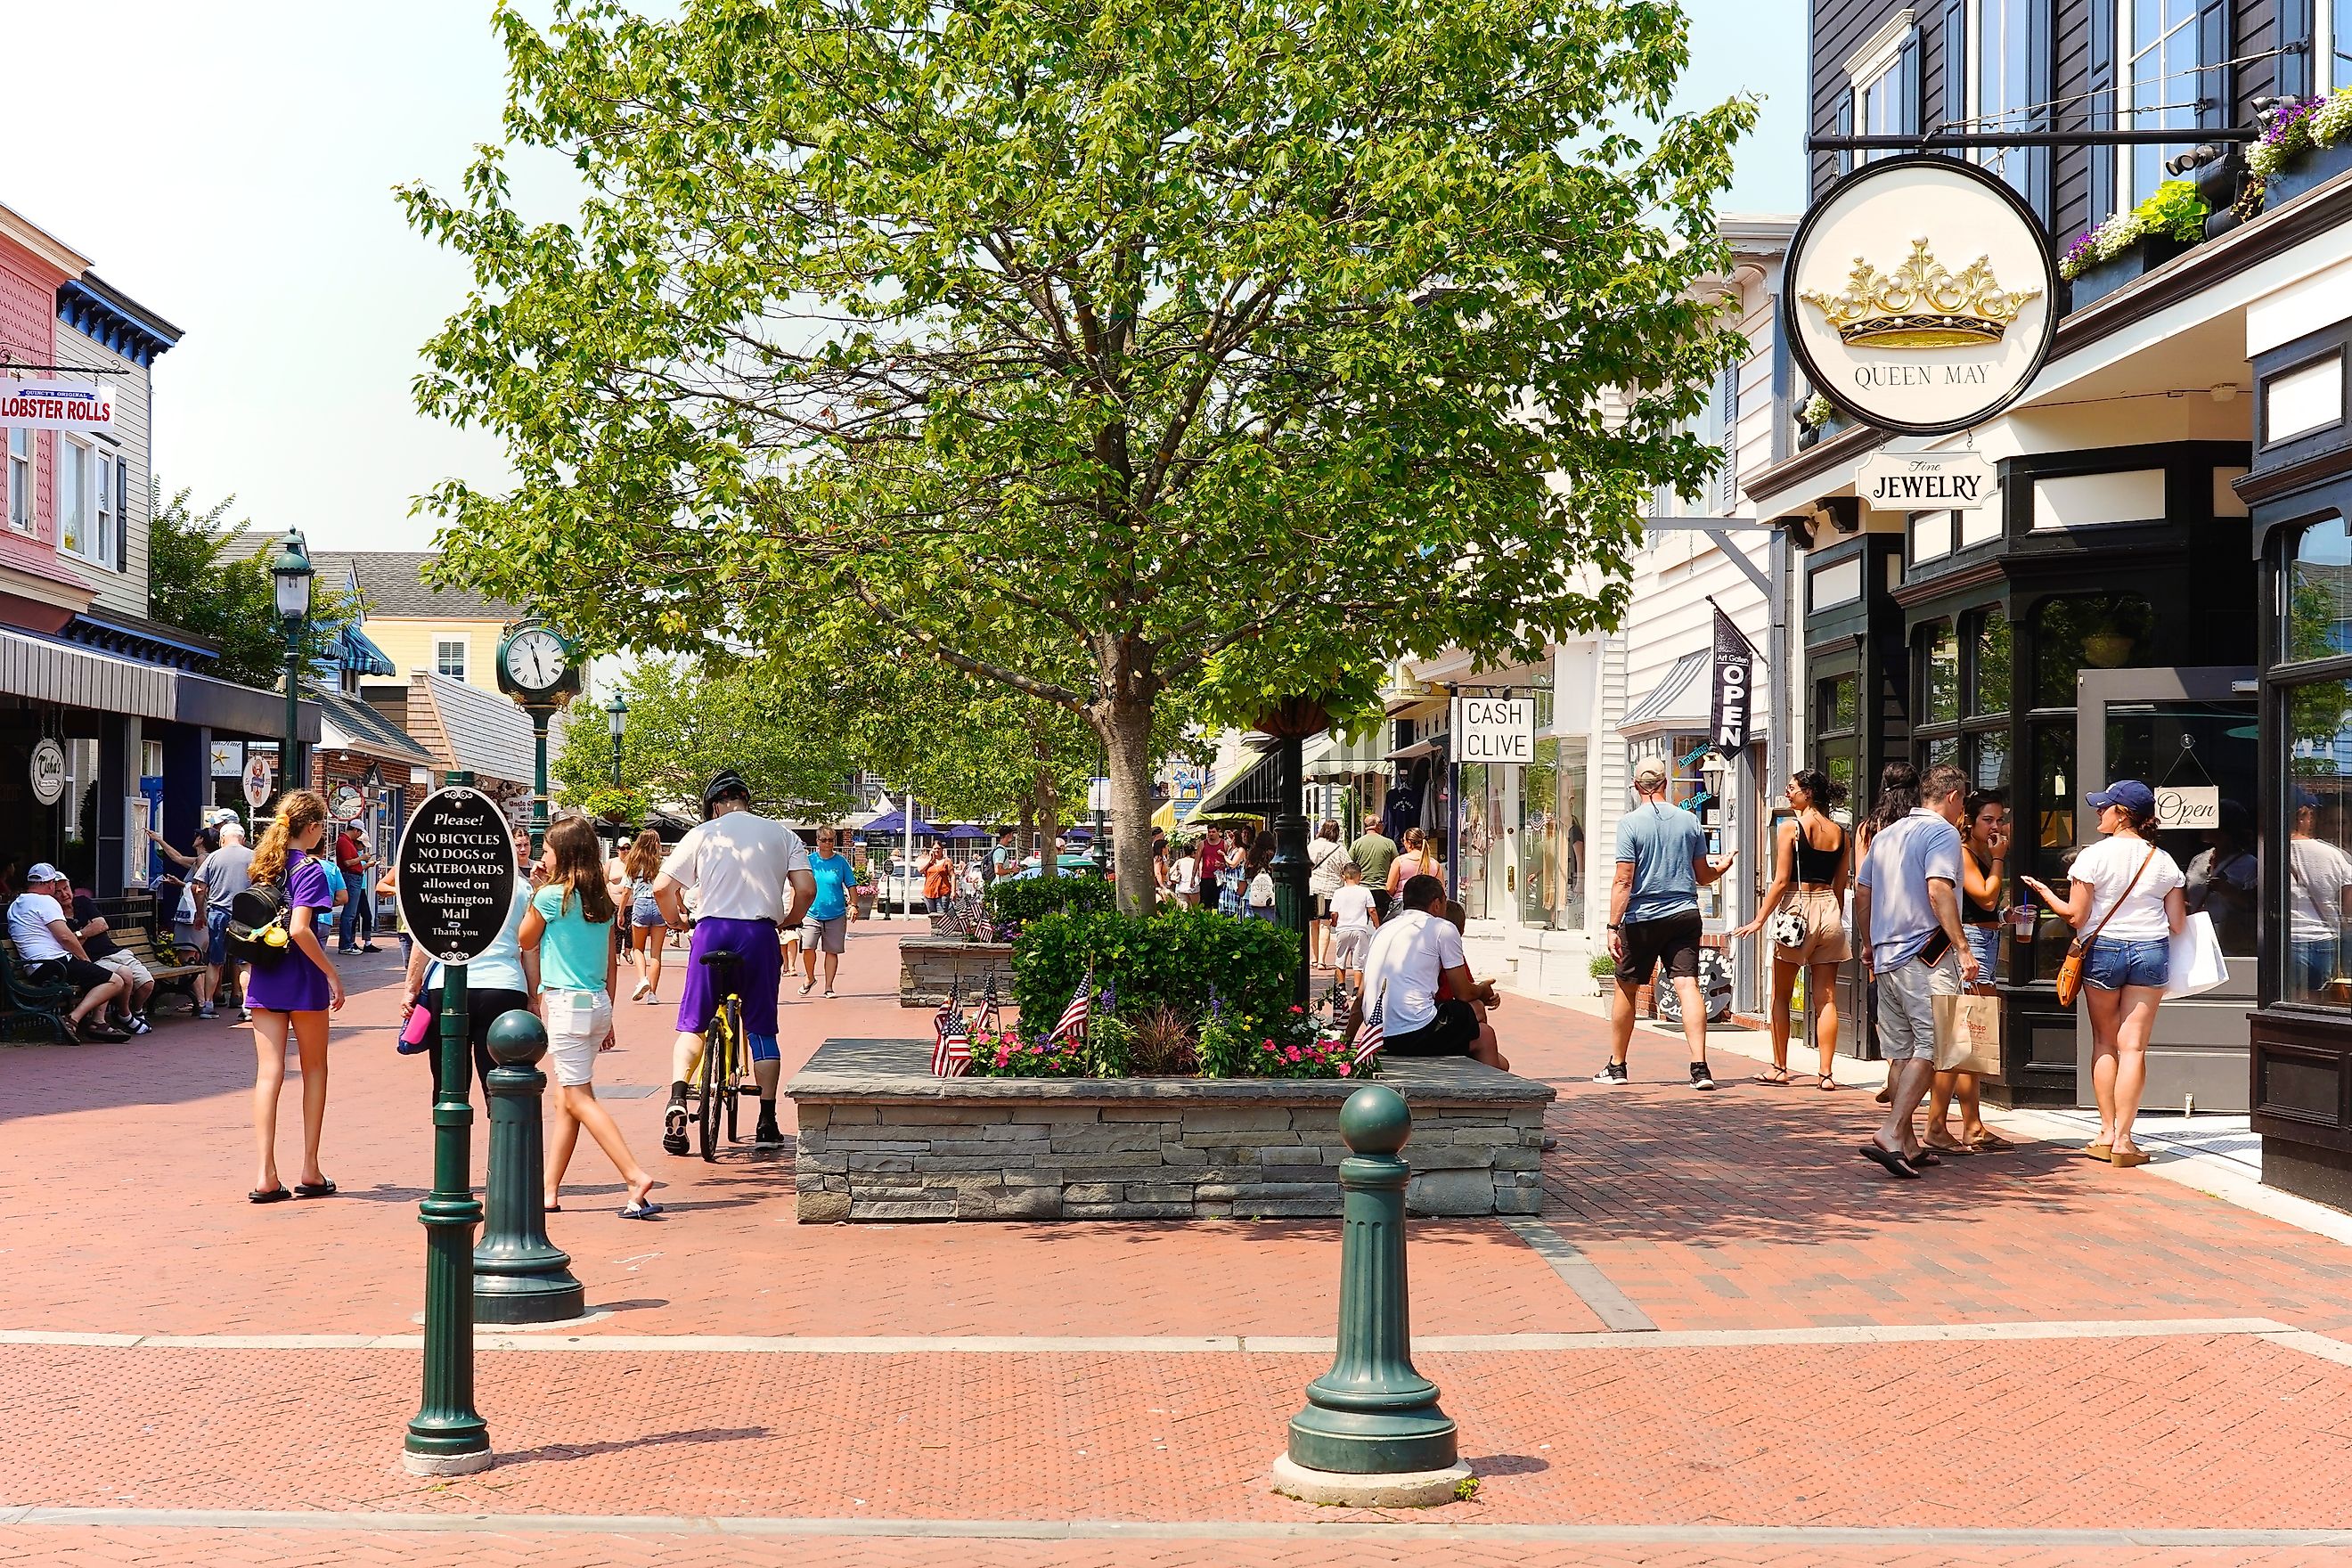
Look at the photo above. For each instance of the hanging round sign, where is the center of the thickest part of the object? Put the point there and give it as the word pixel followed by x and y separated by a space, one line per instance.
pixel 48 771
pixel 260 775
pixel 1920 295
pixel 456 874
pixel 347 804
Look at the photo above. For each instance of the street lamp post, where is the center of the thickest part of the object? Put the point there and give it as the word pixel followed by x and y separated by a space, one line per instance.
pixel 616 718
pixel 290 571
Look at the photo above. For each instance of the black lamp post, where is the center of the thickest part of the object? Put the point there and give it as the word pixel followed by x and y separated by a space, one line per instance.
pixel 290 570
pixel 616 718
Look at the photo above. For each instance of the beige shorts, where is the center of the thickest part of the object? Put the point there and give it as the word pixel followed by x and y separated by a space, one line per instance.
pixel 1824 916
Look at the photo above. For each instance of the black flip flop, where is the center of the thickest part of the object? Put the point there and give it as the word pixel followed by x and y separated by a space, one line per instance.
pixel 1926 1159
pixel 1894 1164
pixel 274 1195
pixel 324 1189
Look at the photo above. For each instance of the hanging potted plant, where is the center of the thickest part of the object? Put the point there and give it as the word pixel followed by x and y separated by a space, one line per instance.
pixel 2305 142
pixel 2130 244
pixel 1813 420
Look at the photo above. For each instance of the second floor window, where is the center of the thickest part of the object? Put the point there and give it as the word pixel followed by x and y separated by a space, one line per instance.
pixel 75 535
pixel 2005 35
pixel 449 657
pixel 2164 85
pixel 20 480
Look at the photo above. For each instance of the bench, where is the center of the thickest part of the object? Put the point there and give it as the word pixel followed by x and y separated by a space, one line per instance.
pixel 140 943
pixel 29 1001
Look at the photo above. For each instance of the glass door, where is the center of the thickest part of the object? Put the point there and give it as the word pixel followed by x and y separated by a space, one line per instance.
pixel 2190 735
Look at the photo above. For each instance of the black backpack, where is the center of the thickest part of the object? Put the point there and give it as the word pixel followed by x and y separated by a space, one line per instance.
pixel 252 914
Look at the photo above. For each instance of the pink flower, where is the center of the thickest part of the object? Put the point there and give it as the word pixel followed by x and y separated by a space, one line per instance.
pixel 1034 1051
pixel 1296 1009
pixel 1000 1056
pixel 1345 1069
pixel 1267 1046
pixel 1292 1054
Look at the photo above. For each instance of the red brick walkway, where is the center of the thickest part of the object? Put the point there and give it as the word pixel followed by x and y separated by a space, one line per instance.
pixel 1746 1209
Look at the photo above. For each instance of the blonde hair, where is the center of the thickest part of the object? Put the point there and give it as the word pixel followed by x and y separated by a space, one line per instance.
pixel 643 859
pixel 296 815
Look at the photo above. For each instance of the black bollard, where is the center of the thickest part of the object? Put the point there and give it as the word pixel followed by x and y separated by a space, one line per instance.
pixel 1372 1433
pixel 519 1276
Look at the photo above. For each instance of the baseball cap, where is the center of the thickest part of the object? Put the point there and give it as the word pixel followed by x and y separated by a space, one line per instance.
pixel 217 816
pixel 2304 800
pixel 43 871
pixel 1650 772
pixel 2130 794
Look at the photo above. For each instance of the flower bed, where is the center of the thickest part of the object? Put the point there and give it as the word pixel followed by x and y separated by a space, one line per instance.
pixel 2176 213
pixel 880 1139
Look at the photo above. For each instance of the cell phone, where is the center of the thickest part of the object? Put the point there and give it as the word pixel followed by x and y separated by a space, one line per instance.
pixel 1938 945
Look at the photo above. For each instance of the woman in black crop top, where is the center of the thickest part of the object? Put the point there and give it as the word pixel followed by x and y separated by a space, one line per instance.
pixel 1806 902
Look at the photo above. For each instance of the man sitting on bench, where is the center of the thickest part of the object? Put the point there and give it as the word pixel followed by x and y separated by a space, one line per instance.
pixel 51 954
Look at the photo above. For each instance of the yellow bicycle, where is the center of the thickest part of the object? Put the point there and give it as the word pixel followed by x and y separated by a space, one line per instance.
pixel 726 1053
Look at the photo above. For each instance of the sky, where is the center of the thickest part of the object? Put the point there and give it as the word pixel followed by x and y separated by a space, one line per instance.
pixel 234 173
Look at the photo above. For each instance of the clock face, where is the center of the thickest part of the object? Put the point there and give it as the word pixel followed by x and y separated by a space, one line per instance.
pixel 535 660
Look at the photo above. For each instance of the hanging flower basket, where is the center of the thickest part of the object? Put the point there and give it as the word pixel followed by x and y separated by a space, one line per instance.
pixel 2132 244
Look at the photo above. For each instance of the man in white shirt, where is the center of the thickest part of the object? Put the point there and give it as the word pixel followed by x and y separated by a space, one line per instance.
pixel 49 953
pixel 752 877
pixel 1417 978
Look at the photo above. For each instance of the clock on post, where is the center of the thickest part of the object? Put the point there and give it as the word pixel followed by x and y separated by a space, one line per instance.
pixel 539 668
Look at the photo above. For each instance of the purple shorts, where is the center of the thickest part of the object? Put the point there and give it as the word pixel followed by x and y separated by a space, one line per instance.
pixel 754 979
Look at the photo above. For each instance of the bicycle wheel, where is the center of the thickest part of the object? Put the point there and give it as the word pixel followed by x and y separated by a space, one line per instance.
pixel 737 1058
pixel 718 1083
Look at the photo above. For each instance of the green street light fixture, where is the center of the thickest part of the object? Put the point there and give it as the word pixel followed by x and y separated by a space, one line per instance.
pixel 616 718
pixel 290 571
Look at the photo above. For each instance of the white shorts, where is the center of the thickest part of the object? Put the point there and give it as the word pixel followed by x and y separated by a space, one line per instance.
pixel 577 1023
pixel 125 964
pixel 1348 945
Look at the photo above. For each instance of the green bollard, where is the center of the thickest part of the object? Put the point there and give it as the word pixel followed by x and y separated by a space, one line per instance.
pixel 519 1276
pixel 1372 1433
pixel 448 1437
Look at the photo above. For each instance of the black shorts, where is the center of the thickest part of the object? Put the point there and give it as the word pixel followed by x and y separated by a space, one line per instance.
pixel 1382 903
pixel 1672 941
pixel 86 976
pixel 1451 1034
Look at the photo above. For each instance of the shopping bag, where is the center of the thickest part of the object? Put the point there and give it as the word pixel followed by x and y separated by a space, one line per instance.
pixel 1973 1021
pixel 2195 963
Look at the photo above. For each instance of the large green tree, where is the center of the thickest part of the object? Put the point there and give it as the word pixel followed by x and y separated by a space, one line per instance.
pixel 1111 350
pixel 211 576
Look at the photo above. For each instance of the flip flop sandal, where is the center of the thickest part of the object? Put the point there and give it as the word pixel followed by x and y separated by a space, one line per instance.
pixel 324 1189
pixel 1892 1162
pixel 1829 1085
pixel 1778 1078
pixel 274 1195
pixel 1925 1158
pixel 551 1209
pixel 1990 1144
pixel 646 1210
pixel 1957 1151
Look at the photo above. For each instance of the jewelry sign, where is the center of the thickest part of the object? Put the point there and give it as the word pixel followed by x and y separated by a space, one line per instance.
pixel 1921 296
pixel 1924 481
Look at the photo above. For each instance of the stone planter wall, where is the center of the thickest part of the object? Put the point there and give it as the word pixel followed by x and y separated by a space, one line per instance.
pixel 929 967
pixel 880 1139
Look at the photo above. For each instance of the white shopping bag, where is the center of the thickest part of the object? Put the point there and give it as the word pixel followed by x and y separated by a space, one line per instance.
pixel 2195 963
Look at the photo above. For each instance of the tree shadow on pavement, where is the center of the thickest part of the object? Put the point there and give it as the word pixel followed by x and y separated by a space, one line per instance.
pixel 556 1453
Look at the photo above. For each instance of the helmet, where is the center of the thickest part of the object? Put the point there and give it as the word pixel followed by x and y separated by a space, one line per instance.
pixel 724 783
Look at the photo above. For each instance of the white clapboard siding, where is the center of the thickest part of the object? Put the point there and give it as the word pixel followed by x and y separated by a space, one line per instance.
pixel 124 592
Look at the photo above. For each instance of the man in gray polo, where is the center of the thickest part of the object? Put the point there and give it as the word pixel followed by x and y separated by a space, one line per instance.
pixel 1906 909
pixel 1654 919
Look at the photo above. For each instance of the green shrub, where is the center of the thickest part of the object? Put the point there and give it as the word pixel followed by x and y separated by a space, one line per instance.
pixel 1014 903
pixel 1173 958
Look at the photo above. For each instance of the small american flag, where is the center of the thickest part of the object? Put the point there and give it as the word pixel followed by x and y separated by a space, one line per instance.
pixel 1073 1025
pixel 951 1044
pixel 988 1022
pixel 1370 1035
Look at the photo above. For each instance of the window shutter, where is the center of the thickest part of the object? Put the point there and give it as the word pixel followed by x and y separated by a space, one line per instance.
pixel 1726 476
pixel 1845 128
pixel 2215 80
pixel 1910 85
pixel 2100 105
pixel 2295 66
pixel 1956 62
pixel 122 515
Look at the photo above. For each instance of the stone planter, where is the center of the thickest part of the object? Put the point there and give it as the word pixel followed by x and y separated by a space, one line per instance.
pixel 2312 168
pixel 881 1138
pixel 2098 282
pixel 931 967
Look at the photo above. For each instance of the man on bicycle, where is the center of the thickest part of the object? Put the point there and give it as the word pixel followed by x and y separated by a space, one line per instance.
pixel 753 873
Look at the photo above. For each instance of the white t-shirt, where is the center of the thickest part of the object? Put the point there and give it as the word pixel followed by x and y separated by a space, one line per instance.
pixel 1351 907
pixel 2315 890
pixel 1409 956
pixel 1185 876
pixel 742 864
pixel 29 915
pixel 2108 866
pixel 1324 858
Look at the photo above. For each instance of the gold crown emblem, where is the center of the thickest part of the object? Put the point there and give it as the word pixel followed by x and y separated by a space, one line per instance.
pixel 1921 305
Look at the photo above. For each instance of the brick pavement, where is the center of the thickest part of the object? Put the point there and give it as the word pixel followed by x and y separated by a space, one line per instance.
pixel 127 1164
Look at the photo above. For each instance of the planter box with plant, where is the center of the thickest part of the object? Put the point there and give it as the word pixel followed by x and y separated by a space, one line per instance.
pixel 933 968
pixel 2130 244
pixel 2305 142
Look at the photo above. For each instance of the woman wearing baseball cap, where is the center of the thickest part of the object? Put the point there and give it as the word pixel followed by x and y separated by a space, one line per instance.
pixel 2126 903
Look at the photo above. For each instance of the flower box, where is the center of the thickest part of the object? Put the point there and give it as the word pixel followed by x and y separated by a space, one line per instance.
pixel 2104 278
pixel 882 1140
pixel 2308 170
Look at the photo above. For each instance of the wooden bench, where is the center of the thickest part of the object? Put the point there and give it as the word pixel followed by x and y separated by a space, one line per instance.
pixel 30 1003
pixel 140 943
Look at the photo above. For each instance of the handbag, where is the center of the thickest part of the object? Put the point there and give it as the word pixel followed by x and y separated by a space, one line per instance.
pixel 2195 963
pixel 2070 972
pixel 1788 929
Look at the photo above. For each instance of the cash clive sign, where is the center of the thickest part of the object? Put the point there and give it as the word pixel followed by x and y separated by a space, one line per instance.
pixel 1920 295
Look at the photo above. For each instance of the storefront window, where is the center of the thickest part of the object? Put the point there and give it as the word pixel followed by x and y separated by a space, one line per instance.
pixel 1966 703
pixel 2092 631
pixel 1552 837
pixel 2319 843
pixel 1942 663
pixel 2319 594
pixel 1477 819
pixel 1836 728
pixel 1989 679
pixel 2051 847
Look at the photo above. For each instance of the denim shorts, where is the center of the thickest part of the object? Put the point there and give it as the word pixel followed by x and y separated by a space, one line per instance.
pixel 2115 964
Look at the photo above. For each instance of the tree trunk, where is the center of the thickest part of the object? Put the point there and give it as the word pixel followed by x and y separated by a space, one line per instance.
pixel 1126 731
pixel 1049 827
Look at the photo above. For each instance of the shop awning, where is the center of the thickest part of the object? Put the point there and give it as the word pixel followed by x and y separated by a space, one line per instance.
pixel 72 676
pixel 1229 792
pixel 1677 702
pixel 349 724
pixel 1164 818
pixel 1337 757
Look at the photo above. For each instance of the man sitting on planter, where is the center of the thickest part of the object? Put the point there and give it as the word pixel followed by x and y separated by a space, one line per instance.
pixel 1417 976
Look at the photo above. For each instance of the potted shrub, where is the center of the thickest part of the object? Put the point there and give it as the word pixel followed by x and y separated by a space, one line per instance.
pixel 2305 142
pixel 2130 244
pixel 1603 970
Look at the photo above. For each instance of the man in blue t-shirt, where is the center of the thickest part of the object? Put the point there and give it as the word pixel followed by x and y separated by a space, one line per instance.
pixel 1662 863
pixel 826 929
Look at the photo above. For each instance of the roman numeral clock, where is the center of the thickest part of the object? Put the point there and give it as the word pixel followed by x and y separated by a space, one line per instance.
pixel 539 667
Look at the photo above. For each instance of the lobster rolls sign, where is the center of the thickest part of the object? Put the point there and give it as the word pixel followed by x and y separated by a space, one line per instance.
pixel 79 405
pixel 1921 295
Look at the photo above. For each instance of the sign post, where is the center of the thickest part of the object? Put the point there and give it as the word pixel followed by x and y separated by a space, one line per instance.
pixel 456 875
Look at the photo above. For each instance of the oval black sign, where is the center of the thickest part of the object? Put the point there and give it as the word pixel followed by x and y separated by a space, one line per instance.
pixel 457 876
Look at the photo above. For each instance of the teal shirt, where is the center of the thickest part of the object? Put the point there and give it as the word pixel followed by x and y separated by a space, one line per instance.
pixel 1660 842
pixel 572 954
pixel 835 877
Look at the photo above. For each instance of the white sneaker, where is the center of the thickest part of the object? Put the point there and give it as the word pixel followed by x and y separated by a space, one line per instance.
pixel 639 993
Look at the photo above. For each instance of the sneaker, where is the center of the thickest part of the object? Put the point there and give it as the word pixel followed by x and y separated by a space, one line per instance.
pixel 245 1015
pixel 1611 1072
pixel 1700 1077
pixel 768 1136
pixel 207 1012
pixel 674 1129
pixel 639 993
pixel 140 1026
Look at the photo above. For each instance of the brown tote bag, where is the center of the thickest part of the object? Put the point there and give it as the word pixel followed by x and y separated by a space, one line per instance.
pixel 2070 972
